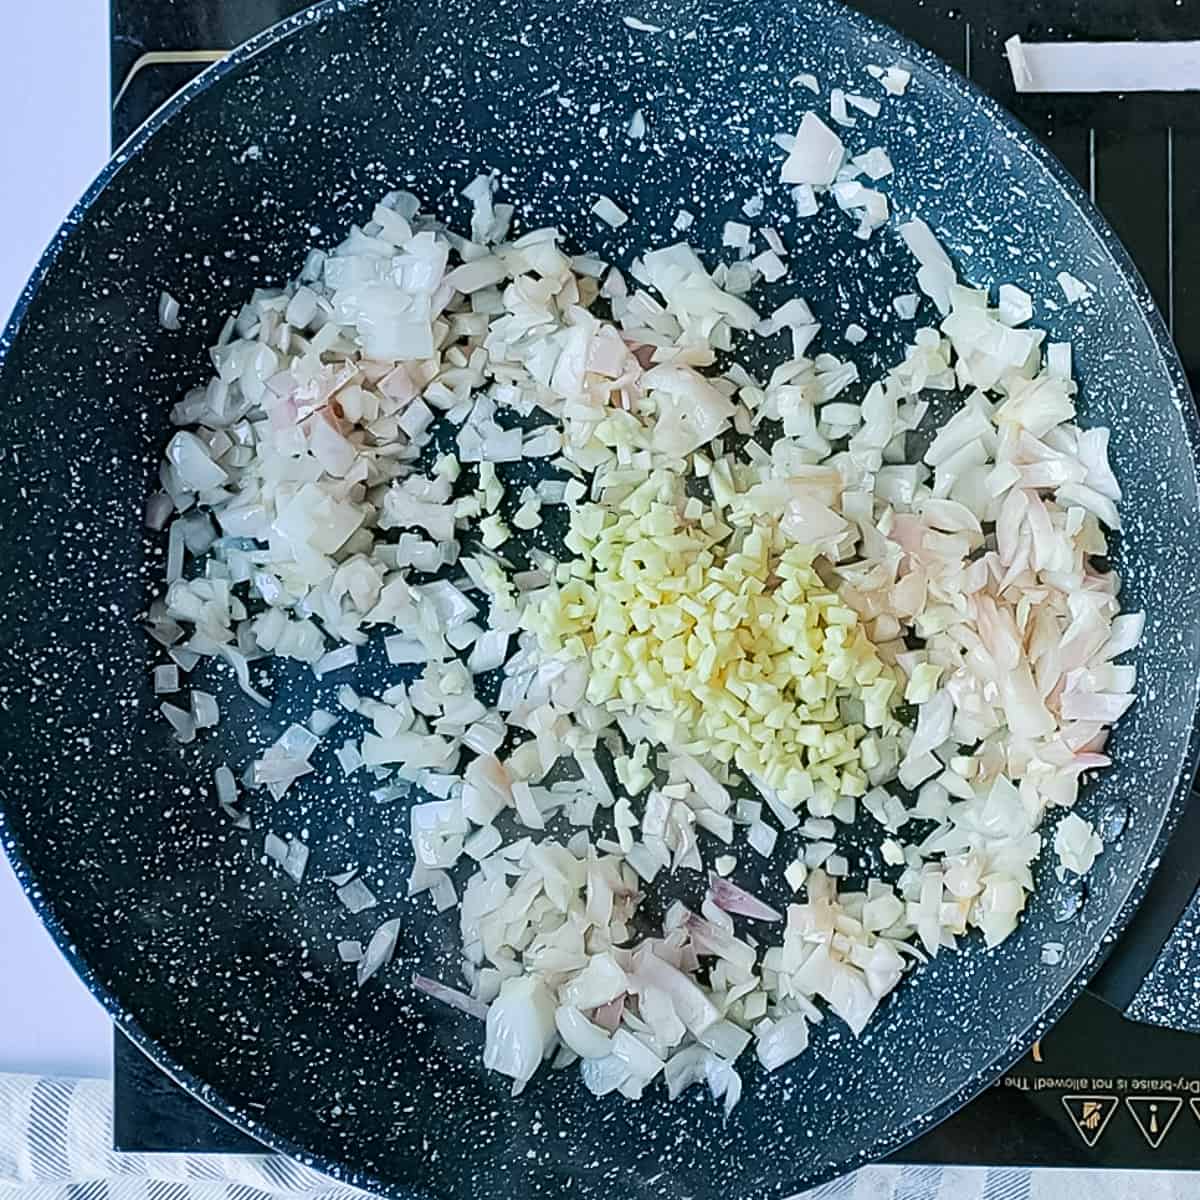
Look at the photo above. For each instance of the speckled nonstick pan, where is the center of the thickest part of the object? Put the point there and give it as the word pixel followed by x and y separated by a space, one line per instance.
pixel 227 974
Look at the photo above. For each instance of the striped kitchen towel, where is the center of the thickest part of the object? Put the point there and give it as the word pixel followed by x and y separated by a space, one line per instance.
pixel 56 1138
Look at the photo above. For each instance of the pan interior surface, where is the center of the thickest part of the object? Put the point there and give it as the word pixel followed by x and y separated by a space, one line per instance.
pixel 228 972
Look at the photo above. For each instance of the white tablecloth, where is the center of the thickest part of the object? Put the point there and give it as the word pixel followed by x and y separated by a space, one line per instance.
pixel 56 1134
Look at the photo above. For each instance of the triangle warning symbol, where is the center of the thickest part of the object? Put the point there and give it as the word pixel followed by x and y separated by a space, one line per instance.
pixel 1154 1116
pixel 1090 1115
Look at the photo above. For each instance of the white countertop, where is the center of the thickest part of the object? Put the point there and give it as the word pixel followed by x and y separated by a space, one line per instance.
pixel 53 140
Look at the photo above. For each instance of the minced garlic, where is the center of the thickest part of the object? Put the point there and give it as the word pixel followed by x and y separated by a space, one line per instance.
pixel 724 638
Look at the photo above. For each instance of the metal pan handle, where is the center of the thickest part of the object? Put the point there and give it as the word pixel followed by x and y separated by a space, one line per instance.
pixel 1148 975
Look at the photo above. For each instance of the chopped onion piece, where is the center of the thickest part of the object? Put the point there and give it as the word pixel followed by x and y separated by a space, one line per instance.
pixel 205 711
pixel 168 311
pixel 609 213
pixel 640 26
pixel 182 722
pixel 736 900
pixel 787 1038
pixel 379 950
pixel 816 154
pixel 450 996
pixel 762 838
pixel 1073 289
pixel 356 897
pixel 166 679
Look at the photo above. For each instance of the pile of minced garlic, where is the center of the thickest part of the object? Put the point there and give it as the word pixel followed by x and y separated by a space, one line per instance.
pixel 720 633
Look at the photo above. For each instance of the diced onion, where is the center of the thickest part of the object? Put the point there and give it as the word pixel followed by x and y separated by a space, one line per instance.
pixel 721 639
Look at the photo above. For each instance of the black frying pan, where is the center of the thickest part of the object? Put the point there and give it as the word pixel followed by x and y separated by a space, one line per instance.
pixel 227 974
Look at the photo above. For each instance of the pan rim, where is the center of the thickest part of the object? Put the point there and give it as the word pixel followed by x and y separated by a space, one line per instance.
pixel 1029 145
